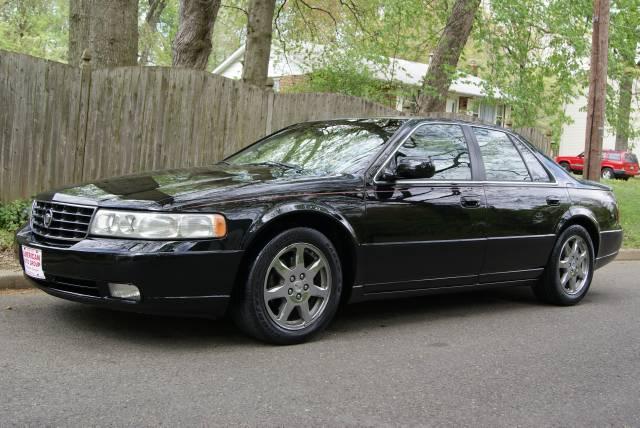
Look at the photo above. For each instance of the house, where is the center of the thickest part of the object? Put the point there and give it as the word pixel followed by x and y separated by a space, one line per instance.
pixel 288 67
pixel 573 135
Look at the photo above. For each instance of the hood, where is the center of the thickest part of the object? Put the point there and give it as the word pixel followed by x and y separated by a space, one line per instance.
pixel 163 189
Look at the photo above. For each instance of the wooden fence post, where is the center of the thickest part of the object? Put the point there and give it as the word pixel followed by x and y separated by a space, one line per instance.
pixel 270 101
pixel 83 116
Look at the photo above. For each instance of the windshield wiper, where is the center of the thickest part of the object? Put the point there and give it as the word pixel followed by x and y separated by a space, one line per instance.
pixel 280 164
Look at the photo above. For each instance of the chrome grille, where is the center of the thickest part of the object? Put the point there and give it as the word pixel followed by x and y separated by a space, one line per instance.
pixel 60 224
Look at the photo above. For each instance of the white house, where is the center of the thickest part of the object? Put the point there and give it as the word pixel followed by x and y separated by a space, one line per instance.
pixel 466 93
pixel 573 135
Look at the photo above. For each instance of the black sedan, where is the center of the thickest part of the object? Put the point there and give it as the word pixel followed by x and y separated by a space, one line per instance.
pixel 321 213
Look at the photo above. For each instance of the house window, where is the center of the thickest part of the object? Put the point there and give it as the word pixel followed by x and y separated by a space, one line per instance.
pixel 451 106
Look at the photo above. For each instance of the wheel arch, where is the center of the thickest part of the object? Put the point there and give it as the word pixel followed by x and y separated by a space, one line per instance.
pixel 583 217
pixel 335 227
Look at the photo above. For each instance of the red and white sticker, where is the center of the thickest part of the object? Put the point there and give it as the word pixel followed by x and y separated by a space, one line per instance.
pixel 32 258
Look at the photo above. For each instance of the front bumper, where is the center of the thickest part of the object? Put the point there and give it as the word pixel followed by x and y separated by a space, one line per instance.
pixel 621 173
pixel 173 278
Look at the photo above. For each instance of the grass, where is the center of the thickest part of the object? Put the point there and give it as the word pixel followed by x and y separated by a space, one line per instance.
pixel 628 195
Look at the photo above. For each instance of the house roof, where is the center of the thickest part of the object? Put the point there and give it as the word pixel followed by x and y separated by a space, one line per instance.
pixel 299 62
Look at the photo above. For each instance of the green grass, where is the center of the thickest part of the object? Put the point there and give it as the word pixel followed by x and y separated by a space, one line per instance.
pixel 628 195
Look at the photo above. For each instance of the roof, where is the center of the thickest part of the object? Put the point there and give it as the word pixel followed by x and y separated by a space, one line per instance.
pixel 302 61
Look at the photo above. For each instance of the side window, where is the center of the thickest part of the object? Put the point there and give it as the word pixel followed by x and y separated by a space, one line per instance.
pixel 502 161
pixel 445 145
pixel 613 156
pixel 537 171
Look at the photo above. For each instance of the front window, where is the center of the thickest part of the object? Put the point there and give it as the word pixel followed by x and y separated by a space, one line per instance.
pixel 332 147
pixel 444 146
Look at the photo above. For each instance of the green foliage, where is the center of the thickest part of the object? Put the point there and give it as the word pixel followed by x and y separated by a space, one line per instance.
pixel 535 55
pixel 35 27
pixel 624 49
pixel 12 216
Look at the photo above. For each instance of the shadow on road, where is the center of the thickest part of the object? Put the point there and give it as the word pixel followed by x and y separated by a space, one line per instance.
pixel 193 332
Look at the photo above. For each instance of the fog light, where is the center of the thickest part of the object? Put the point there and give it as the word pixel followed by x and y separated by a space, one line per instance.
pixel 124 291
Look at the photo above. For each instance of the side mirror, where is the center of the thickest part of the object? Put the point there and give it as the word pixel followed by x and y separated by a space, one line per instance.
pixel 415 168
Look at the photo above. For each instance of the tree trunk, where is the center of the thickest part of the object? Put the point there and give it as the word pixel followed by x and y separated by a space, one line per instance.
pixel 445 58
pixel 624 112
pixel 192 45
pixel 108 30
pixel 258 50
pixel 150 23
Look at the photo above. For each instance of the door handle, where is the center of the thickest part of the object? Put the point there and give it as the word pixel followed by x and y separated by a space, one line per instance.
pixel 553 200
pixel 470 202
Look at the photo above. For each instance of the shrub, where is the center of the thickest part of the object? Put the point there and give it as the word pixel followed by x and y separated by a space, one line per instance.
pixel 12 215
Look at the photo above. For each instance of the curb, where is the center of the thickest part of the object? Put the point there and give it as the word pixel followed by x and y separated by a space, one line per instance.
pixel 12 280
pixel 628 255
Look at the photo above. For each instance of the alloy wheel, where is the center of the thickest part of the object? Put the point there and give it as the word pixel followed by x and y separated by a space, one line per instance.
pixel 297 286
pixel 606 173
pixel 574 265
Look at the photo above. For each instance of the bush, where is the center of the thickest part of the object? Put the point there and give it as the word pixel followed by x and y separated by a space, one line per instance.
pixel 12 216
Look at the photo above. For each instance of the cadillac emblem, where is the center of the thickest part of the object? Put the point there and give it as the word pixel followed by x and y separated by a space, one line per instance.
pixel 48 217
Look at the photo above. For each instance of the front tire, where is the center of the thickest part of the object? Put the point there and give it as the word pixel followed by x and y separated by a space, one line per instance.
pixel 566 166
pixel 569 272
pixel 293 288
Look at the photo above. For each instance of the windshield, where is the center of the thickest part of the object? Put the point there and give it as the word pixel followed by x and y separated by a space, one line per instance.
pixel 332 147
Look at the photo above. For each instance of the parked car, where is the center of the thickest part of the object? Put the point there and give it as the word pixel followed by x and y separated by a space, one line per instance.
pixel 614 164
pixel 321 213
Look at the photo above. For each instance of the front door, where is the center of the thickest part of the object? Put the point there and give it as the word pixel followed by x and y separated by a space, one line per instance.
pixel 425 233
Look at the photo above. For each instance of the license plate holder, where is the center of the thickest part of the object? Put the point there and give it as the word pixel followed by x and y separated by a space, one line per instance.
pixel 32 258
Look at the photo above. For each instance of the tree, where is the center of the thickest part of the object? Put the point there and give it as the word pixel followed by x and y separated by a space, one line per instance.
pixel 35 27
pixel 534 55
pixel 624 49
pixel 192 45
pixel 258 47
pixel 107 29
pixel 151 20
pixel 446 56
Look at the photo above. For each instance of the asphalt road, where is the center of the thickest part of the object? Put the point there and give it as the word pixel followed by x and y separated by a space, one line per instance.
pixel 491 358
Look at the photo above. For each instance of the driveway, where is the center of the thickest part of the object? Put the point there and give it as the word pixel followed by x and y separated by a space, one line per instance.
pixel 484 358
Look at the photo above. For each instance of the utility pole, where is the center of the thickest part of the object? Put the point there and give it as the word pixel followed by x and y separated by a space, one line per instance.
pixel 597 90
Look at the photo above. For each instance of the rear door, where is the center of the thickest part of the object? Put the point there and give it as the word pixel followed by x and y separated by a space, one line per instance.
pixel 524 206
pixel 424 233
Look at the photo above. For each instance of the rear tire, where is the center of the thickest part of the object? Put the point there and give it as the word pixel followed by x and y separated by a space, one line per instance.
pixel 569 272
pixel 608 173
pixel 293 288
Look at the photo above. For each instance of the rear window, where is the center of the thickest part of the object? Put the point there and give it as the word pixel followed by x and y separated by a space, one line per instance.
pixel 630 157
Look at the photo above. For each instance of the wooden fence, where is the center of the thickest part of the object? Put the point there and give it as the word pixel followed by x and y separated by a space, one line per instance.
pixel 61 125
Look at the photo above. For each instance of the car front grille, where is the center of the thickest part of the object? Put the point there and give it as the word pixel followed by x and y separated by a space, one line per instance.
pixel 60 224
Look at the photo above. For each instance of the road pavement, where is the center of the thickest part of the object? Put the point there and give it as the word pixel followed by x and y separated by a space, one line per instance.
pixel 489 358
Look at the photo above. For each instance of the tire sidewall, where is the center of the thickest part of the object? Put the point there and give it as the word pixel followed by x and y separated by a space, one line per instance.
pixel 557 290
pixel 254 297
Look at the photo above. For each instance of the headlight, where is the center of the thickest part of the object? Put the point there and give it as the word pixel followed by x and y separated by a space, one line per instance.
pixel 148 225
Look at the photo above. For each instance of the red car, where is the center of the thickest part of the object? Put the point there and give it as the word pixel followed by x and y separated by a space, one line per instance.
pixel 615 164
